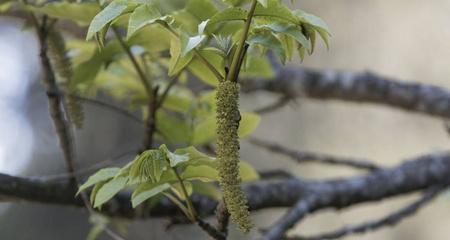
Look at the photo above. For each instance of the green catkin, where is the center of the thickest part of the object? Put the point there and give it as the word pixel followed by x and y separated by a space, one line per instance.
pixel 228 118
pixel 62 67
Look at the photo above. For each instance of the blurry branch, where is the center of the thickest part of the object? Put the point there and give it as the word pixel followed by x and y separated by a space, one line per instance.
pixel 303 157
pixel 281 102
pixel 412 176
pixel 363 87
pixel 109 106
pixel 55 101
pixel 389 220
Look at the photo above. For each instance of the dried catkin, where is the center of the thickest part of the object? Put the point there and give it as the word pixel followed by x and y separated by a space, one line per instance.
pixel 62 67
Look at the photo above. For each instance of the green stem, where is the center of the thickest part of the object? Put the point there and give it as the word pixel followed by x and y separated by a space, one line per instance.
pixel 145 81
pixel 186 196
pixel 235 64
pixel 197 54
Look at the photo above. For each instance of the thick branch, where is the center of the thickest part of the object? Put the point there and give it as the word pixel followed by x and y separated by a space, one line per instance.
pixel 363 87
pixel 389 220
pixel 411 176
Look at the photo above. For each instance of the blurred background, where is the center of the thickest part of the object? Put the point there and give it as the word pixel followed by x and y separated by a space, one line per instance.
pixel 405 39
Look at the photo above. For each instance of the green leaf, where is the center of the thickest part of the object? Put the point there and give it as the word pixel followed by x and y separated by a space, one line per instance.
pixel 275 9
pixel 202 72
pixel 270 41
pixel 150 165
pixel 174 159
pixel 142 16
pixel 202 173
pixel 177 62
pixel 147 191
pixel 229 14
pixel 196 158
pixel 108 14
pixel 172 129
pixel 257 66
pixel 290 30
pixel 177 189
pixel 81 13
pixel 311 19
pixel 263 2
pixel 248 173
pixel 319 25
pixel 201 9
pixel 208 190
pixel 189 43
pixel 102 175
pixel 203 134
pixel 110 189
pixel 248 124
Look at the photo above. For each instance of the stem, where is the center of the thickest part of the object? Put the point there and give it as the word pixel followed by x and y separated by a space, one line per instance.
pixel 235 64
pixel 186 196
pixel 145 81
pixel 197 54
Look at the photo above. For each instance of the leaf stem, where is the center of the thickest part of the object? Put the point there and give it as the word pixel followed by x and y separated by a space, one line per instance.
pixel 237 58
pixel 197 54
pixel 145 81
pixel 186 196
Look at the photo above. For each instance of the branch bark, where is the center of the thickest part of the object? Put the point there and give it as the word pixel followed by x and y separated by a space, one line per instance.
pixel 413 175
pixel 359 87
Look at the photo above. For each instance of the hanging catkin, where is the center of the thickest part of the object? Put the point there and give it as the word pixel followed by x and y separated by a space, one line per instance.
pixel 228 118
pixel 62 67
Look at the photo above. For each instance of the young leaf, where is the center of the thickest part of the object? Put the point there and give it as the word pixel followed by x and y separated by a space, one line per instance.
pixel 263 3
pixel 108 14
pixel 202 173
pixel 177 61
pixel 81 13
pixel 110 189
pixel 275 9
pixel 141 16
pixel 177 189
pixel 249 122
pixel 229 14
pixel 147 191
pixel 207 189
pixel 174 159
pixel 290 30
pixel 102 175
pixel 189 43
pixel 270 41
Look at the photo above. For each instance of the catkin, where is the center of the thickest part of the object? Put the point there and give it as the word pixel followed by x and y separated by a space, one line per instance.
pixel 228 118
pixel 62 67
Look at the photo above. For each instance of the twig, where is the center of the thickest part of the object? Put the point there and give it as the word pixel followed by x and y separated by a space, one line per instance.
pixel 145 82
pixel 223 218
pixel 150 122
pixel 213 232
pixel 109 106
pixel 164 95
pixel 281 102
pixel 389 220
pixel 302 157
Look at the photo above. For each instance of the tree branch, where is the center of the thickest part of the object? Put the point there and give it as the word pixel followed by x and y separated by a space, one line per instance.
pixel 302 156
pixel 411 176
pixel 360 87
pixel 389 220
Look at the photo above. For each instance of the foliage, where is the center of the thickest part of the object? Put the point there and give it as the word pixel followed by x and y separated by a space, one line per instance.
pixel 211 41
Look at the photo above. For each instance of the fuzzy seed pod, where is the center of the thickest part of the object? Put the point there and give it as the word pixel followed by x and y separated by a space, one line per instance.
pixel 228 118
pixel 62 67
